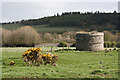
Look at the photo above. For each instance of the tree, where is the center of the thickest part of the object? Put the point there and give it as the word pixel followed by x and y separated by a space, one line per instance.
pixel 0 37
pixel 48 37
pixel 26 36
pixel 108 36
pixel 73 45
pixel 6 37
pixel 113 44
pixel 62 44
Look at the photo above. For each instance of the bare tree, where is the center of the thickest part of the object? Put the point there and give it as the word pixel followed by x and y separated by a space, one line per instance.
pixel 108 36
pixel 0 37
pixel 6 37
pixel 27 36
pixel 48 37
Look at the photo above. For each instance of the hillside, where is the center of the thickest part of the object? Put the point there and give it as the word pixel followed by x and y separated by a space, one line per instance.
pixel 70 21
pixel 41 28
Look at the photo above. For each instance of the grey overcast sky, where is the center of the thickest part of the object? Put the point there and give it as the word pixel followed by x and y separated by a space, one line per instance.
pixel 16 10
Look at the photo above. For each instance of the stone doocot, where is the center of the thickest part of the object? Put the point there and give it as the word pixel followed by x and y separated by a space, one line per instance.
pixel 90 41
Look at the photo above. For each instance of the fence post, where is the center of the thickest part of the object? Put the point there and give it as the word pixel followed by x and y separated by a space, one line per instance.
pixel 63 48
pixel 17 49
pixel 51 48
pixel 68 47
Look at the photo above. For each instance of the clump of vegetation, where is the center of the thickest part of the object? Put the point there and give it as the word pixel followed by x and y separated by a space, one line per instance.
pixel 108 36
pixel 107 44
pixel 24 36
pixel 62 44
pixel 118 44
pixel 49 58
pixel 113 44
pixel 33 55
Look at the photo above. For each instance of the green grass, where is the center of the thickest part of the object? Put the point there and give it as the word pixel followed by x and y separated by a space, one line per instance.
pixel 40 28
pixel 71 64
pixel 12 26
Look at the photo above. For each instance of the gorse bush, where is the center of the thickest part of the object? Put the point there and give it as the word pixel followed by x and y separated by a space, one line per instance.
pixel 34 55
pixel 62 44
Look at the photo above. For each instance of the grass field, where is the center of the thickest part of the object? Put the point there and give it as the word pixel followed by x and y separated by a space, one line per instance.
pixel 40 28
pixel 71 64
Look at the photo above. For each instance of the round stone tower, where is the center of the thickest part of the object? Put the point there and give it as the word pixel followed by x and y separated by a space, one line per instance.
pixel 89 41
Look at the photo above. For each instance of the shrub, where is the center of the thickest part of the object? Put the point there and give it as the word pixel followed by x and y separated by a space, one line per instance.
pixel 34 55
pixel 118 44
pixel 73 45
pixel 62 44
pixel 107 44
pixel 113 44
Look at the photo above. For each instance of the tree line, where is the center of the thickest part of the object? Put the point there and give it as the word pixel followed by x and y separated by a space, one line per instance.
pixel 28 36
pixel 88 20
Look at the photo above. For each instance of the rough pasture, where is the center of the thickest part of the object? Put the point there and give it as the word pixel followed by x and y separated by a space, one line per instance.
pixel 71 64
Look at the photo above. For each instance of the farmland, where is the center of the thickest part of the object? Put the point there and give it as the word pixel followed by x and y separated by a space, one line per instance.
pixel 41 28
pixel 71 64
